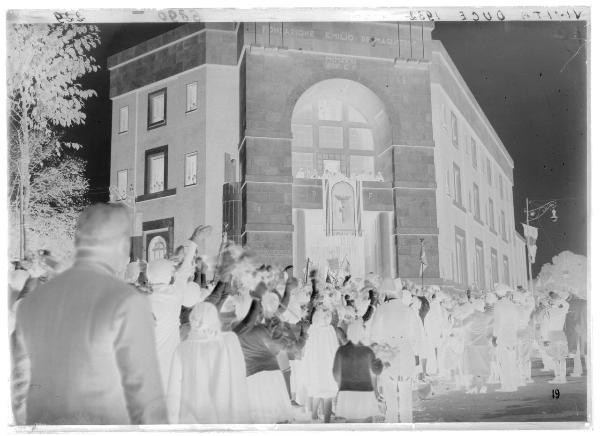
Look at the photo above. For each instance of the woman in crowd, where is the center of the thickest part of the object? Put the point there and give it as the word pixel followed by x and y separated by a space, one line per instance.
pixel 207 384
pixel 355 368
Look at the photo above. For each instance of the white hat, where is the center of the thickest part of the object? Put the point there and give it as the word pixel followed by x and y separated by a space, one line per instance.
pixel 132 272
pixel 406 297
pixel 501 289
pixel 490 298
pixel 160 272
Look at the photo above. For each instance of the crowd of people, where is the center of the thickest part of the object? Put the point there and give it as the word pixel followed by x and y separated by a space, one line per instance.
pixel 110 341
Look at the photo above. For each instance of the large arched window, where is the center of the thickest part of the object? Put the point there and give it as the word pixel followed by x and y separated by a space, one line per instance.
pixel 337 127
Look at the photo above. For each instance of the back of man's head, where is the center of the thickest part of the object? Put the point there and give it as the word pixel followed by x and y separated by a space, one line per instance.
pixel 102 224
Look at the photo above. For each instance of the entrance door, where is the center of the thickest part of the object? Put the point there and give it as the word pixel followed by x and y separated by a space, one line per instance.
pixel 157 245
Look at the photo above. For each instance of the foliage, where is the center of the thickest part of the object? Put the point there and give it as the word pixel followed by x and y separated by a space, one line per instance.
pixel 567 272
pixel 45 64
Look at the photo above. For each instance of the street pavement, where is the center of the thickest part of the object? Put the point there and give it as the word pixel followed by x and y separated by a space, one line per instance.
pixel 531 403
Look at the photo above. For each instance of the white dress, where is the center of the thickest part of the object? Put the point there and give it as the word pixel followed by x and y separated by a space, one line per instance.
pixel 319 354
pixel 207 384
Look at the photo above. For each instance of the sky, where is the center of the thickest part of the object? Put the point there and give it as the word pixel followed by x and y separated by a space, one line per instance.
pixel 528 77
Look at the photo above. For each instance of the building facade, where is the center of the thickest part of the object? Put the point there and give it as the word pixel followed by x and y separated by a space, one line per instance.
pixel 345 146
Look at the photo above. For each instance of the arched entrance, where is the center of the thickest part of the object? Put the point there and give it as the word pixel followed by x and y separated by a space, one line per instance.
pixel 339 129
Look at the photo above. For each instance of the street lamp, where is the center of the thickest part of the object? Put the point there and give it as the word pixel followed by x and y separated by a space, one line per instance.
pixel 534 210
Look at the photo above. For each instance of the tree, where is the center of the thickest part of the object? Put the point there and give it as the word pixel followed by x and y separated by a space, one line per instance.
pixel 567 272
pixel 45 64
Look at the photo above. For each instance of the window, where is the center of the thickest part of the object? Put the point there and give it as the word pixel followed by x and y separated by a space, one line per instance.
pixel 476 206
pixel 501 186
pixel 479 265
pixel 489 170
pixel 331 166
pixel 454 122
pixel 156 170
pixel 360 138
pixel 448 193
pixel 362 165
pixel 491 216
pixel 124 119
pixel 503 225
pixel 331 137
pixel 302 135
pixel 157 108
pixel 457 186
pixel 460 256
pixel 474 153
pixel 330 110
pixel 302 164
pixel 191 160
pixel 494 260
pixel 191 97
pixel 122 185
pixel 505 271
pixel 444 116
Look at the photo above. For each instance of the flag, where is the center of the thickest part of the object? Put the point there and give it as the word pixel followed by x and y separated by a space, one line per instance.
pixel 423 259
pixel 531 234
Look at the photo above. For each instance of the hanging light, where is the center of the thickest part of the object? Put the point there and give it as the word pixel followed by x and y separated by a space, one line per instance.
pixel 554 217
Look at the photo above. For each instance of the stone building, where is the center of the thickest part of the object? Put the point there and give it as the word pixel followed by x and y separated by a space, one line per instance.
pixel 349 146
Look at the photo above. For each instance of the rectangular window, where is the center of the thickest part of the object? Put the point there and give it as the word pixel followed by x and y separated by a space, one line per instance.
pixel 331 137
pixel 494 261
pixel 156 170
pixel 191 162
pixel 448 193
pixel 302 164
pixel 454 122
pixel 479 264
pixel 157 108
pixel 489 171
pixel 506 271
pixel 474 153
pixel 360 138
pixel 476 205
pixel 191 97
pixel 491 216
pixel 501 186
pixel 457 186
pixel 124 119
pixel 362 165
pixel 122 184
pixel 503 225
pixel 460 256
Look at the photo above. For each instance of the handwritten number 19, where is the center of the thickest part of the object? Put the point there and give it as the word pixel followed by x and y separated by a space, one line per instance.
pixel 555 394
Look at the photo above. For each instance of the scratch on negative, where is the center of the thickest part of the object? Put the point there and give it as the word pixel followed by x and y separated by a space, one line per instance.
pixel 572 57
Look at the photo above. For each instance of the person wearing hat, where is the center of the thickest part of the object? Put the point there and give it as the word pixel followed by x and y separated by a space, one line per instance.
pixel 477 351
pixel 207 383
pixel 434 327
pixel 396 327
pixel 172 288
pixel 83 347
pixel 506 324
pixel 555 339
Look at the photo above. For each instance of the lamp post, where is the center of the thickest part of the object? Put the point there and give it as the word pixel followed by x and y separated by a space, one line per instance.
pixel 534 211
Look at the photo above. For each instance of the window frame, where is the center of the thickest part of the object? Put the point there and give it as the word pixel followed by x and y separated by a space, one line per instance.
pixel 187 103
pixel 454 129
pixel 474 153
pixel 148 155
pixel 494 266
pixel 505 270
pixel 476 203
pixel 461 258
pixel 479 266
pixel 457 201
pixel 492 218
pixel 185 158
pixel 119 131
pixel 162 122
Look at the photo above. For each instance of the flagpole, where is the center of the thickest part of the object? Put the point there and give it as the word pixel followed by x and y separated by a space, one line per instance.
pixel 421 263
pixel 529 285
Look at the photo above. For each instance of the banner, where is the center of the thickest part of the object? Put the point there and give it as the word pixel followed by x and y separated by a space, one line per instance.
pixel 423 259
pixel 531 234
